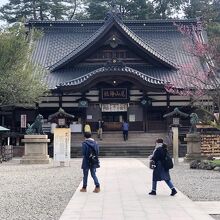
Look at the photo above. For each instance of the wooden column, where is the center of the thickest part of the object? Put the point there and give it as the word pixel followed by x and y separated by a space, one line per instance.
pixel 60 98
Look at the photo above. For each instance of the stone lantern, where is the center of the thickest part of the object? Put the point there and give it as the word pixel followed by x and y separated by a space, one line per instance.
pixel 176 114
pixel 61 118
pixel 193 140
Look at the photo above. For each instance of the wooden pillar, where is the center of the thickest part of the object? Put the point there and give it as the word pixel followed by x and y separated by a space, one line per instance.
pixel 145 119
pixel 168 109
pixel 13 121
pixel 3 120
pixel 60 99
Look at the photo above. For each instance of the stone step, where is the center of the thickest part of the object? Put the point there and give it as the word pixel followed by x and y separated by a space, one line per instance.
pixel 139 144
pixel 116 138
pixel 125 151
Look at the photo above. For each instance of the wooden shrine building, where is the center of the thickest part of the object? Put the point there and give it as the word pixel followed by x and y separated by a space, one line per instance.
pixel 112 70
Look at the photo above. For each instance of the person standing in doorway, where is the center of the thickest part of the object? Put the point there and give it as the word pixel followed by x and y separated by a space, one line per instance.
pixel 99 127
pixel 89 148
pixel 125 127
pixel 159 172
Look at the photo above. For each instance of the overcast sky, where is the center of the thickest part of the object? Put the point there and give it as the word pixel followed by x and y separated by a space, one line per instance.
pixel 2 2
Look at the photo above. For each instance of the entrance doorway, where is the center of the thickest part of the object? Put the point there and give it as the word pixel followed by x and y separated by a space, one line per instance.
pixel 113 120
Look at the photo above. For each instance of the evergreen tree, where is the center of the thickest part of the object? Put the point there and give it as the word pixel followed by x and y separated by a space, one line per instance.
pixel 167 8
pixel 133 9
pixel 16 10
pixel 197 8
pixel 21 81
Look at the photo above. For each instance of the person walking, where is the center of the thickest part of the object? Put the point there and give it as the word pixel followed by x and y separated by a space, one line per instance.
pixel 90 150
pixel 159 172
pixel 125 127
pixel 99 127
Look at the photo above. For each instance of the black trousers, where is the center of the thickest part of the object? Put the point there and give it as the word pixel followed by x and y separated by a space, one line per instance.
pixel 125 135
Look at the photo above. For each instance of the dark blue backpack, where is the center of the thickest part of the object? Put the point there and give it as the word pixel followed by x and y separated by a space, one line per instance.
pixel 167 162
pixel 93 158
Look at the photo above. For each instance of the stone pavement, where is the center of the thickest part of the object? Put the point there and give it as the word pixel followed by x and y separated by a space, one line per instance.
pixel 125 184
pixel 210 207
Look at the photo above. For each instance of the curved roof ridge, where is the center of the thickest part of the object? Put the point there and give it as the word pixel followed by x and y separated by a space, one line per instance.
pixel 113 68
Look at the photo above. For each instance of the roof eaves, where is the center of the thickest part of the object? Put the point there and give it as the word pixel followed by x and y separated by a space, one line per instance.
pixel 80 80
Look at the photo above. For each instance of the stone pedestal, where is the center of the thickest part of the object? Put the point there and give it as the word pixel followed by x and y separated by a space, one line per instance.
pixel 193 147
pixel 36 149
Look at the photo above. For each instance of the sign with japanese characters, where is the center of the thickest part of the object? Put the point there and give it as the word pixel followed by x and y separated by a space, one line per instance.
pixel 62 137
pixel 114 94
pixel 118 107
pixel 23 121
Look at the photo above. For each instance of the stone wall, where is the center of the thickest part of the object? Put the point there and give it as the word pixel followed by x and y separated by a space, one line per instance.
pixel 210 144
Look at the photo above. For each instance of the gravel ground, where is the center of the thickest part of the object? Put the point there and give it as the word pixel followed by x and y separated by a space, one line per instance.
pixel 37 192
pixel 41 192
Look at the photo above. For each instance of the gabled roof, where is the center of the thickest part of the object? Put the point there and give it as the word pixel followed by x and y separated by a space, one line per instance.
pixel 60 114
pixel 134 38
pixel 160 39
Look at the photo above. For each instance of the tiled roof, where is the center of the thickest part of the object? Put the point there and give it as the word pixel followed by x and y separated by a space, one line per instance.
pixel 81 73
pixel 57 42
pixel 116 69
pixel 63 39
pixel 113 20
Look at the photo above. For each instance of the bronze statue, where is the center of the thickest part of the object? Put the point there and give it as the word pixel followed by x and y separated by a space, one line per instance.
pixel 36 127
pixel 194 119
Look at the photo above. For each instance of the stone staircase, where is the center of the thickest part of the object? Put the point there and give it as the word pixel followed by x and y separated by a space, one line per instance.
pixel 139 144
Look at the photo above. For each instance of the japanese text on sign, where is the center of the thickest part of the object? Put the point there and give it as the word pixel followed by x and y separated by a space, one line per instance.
pixel 114 93
pixel 114 107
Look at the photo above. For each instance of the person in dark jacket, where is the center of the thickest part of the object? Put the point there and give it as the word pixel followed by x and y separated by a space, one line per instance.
pixel 125 127
pixel 88 146
pixel 99 127
pixel 159 173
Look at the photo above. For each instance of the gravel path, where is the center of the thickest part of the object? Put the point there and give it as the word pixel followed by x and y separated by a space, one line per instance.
pixel 37 192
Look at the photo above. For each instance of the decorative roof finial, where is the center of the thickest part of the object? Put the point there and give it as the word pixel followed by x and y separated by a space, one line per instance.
pixel 113 11
pixel 113 4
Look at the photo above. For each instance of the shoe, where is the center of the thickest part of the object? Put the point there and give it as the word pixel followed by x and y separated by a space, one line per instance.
pixel 83 190
pixel 96 190
pixel 153 193
pixel 173 192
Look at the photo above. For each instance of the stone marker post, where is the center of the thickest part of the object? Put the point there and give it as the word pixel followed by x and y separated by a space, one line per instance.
pixel 176 114
pixel 175 144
